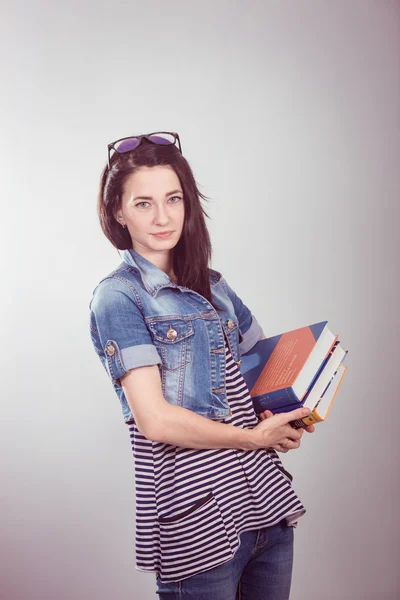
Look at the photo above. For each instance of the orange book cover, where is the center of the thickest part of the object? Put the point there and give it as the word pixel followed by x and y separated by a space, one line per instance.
pixel 286 361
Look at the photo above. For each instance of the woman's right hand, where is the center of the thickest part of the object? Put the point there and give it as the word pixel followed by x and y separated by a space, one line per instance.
pixel 275 431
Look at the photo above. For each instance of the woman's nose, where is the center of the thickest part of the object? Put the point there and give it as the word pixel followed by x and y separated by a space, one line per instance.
pixel 161 215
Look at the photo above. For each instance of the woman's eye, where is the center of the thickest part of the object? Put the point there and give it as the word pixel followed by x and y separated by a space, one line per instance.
pixel 172 200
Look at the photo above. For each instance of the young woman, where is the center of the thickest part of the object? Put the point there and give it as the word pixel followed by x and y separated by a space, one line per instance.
pixel 215 509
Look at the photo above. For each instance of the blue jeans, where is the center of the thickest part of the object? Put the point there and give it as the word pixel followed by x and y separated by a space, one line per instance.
pixel 261 569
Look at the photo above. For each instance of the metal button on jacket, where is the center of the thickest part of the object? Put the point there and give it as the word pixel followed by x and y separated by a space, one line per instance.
pixel 110 350
pixel 230 324
pixel 171 333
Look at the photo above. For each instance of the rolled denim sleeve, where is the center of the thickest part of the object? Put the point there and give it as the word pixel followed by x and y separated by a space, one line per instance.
pixel 118 331
pixel 250 330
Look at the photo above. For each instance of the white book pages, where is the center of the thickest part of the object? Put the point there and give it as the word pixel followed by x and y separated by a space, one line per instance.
pixel 325 377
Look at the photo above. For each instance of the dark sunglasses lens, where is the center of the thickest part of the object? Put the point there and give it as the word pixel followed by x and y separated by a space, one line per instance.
pixel 162 139
pixel 126 145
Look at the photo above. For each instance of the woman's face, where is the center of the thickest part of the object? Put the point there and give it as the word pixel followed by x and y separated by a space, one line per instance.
pixel 152 202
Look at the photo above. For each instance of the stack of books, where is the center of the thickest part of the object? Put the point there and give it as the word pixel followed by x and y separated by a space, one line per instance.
pixel 302 367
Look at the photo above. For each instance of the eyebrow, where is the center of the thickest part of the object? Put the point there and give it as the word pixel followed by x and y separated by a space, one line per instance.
pixel 150 197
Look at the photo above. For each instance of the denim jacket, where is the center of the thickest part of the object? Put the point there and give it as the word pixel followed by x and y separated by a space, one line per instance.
pixel 139 317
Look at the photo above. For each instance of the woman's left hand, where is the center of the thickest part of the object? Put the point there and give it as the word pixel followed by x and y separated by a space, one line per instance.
pixel 267 413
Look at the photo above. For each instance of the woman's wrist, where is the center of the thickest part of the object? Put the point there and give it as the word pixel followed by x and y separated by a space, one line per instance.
pixel 251 440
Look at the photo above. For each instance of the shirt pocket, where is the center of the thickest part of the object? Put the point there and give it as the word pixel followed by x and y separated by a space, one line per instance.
pixel 285 473
pixel 194 536
pixel 173 339
pixel 278 464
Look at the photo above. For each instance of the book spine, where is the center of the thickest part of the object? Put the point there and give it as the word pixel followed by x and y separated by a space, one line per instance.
pixel 314 416
pixel 310 419
pixel 274 400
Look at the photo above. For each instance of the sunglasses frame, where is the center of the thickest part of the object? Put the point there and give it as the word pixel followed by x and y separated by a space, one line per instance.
pixel 140 137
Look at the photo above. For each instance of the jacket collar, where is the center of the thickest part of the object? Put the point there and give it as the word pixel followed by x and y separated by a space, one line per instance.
pixel 154 278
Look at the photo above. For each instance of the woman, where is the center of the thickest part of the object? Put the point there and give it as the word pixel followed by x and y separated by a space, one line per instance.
pixel 215 508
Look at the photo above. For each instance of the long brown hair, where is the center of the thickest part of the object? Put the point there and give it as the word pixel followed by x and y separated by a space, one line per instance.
pixel 192 253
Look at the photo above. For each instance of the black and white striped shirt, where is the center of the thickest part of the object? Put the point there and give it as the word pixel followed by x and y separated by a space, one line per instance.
pixel 191 505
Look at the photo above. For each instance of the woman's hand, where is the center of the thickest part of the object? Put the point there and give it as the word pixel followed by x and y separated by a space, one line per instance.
pixel 280 434
pixel 267 413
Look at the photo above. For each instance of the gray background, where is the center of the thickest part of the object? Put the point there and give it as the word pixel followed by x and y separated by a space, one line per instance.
pixel 289 114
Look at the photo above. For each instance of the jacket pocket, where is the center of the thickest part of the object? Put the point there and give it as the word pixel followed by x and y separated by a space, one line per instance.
pixel 173 339
pixel 193 536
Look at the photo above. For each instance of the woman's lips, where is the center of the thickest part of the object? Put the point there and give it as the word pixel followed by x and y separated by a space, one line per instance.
pixel 163 235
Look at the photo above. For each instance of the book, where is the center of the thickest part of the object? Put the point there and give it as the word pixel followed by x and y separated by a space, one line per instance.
pixel 324 404
pixel 281 370
pixel 321 382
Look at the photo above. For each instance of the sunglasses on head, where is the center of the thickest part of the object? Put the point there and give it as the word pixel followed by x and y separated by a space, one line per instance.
pixel 162 138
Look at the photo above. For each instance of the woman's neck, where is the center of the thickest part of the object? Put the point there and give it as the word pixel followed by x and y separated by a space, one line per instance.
pixel 162 260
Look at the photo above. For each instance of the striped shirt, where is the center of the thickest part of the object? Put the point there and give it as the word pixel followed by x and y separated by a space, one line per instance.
pixel 191 505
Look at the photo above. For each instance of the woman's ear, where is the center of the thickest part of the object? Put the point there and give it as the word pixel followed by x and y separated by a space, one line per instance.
pixel 119 217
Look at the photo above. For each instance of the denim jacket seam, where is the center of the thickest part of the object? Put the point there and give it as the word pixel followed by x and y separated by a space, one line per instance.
pixel 93 329
pixel 132 289
pixel 181 384
pixel 111 275
pixel 96 339
pixel 160 319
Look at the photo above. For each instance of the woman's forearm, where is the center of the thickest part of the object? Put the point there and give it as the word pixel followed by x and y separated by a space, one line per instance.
pixel 182 427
